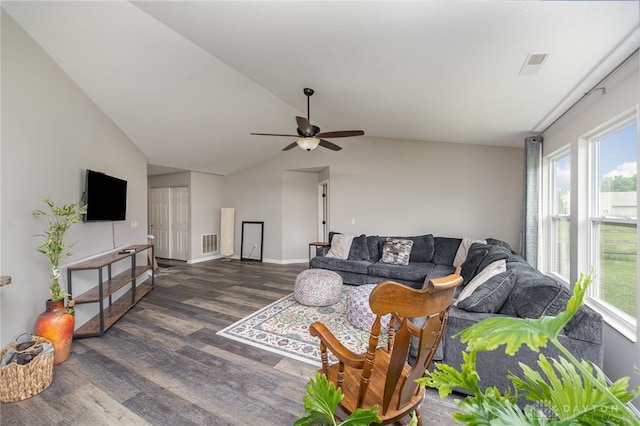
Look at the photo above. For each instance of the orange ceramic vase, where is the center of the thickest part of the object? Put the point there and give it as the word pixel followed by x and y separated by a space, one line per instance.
pixel 56 324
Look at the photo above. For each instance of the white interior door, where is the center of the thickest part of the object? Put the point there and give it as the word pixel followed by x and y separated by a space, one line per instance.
pixel 160 225
pixel 180 223
pixel 169 222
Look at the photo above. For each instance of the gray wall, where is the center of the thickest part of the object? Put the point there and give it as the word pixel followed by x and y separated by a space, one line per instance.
pixel 299 214
pixel 622 94
pixel 389 187
pixel 206 202
pixel 52 133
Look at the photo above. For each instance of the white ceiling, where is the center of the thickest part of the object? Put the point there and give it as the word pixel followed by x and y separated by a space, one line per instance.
pixel 188 81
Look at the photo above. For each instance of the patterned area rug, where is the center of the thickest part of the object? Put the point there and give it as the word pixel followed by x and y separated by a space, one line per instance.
pixel 283 328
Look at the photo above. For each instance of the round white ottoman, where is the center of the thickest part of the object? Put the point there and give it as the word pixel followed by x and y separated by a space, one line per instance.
pixel 317 287
pixel 359 313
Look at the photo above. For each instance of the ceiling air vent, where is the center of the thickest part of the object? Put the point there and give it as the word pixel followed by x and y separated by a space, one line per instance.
pixel 533 63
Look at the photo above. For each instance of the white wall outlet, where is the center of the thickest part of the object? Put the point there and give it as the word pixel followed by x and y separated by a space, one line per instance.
pixel 134 224
pixel 353 220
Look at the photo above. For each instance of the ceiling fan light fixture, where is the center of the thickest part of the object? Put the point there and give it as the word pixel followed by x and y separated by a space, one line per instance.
pixel 308 143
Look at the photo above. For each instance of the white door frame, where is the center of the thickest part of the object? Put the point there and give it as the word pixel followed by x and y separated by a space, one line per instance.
pixel 323 210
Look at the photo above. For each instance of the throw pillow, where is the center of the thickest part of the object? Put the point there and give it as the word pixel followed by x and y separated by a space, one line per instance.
pixel 494 253
pixel 340 246
pixel 359 249
pixel 477 253
pixel 500 243
pixel 396 251
pixel 544 297
pixel 463 250
pixel 373 247
pixel 489 296
pixel 423 248
pixel 445 249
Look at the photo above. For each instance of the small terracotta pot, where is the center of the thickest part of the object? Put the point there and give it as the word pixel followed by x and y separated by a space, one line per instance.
pixel 57 324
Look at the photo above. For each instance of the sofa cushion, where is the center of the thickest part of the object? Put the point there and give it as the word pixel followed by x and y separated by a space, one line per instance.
pixel 545 298
pixel 527 282
pixel 374 248
pixel 355 266
pixel 416 271
pixel 423 248
pixel 476 254
pixel 463 250
pixel 359 249
pixel 340 246
pixel 440 271
pixel 396 251
pixel 480 278
pixel 445 249
pixel 494 254
pixel 500 243
pixel 490 295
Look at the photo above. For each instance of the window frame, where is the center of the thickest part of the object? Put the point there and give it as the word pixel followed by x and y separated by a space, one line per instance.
pixel 614 316
pixel 555 217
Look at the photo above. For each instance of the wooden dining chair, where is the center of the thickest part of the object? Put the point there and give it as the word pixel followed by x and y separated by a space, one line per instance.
pixel 383 376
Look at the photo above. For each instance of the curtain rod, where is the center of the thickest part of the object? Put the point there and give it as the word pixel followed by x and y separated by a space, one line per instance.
pixel 594 88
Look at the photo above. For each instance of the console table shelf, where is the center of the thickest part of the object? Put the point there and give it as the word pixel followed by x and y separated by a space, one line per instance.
pixel 105 289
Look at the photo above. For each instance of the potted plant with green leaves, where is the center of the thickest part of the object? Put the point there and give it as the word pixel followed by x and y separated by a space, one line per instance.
pixel 572 391
pixel 58 321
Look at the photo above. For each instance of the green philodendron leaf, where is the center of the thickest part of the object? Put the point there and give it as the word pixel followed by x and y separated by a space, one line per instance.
pixel 446 378
pixel 494 409
pixel 494 332
pixel 571 396
pixel 362 417
pixel 322 399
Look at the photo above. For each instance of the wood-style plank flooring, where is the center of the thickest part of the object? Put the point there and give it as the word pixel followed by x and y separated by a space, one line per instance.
pixel 163 364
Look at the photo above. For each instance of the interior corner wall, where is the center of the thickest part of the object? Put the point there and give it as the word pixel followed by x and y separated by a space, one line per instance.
pixel 51 133
pixel 392 187
pixel 256 194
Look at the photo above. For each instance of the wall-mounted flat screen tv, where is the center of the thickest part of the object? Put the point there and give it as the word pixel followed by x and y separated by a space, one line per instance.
pixel 106 197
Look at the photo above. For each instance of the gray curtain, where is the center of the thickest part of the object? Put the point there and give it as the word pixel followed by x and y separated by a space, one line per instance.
pixel 531 200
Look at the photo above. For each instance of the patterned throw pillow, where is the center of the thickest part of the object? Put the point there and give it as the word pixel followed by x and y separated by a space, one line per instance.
pixel 396 251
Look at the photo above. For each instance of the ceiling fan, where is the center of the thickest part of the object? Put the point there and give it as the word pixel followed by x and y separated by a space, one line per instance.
pixel 309 136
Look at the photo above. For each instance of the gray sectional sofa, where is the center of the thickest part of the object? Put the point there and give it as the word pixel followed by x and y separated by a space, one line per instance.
pixel 516 290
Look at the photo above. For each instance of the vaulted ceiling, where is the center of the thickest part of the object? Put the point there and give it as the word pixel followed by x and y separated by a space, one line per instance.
pixel 188 81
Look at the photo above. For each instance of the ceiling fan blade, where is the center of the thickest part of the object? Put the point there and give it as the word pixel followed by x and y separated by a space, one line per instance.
pixel 329 145
pixel 273 134
pixel 305 127
pixel 340 134
pixel 290 146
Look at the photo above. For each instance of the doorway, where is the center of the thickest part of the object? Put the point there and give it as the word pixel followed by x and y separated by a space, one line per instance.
pixel 169 222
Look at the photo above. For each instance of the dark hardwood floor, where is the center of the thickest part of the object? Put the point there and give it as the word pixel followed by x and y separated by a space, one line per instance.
pixel 163 364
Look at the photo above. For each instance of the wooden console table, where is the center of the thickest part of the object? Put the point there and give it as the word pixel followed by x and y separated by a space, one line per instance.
pixel 105 289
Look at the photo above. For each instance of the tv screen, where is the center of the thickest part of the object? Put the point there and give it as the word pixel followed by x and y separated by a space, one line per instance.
pixel 106 197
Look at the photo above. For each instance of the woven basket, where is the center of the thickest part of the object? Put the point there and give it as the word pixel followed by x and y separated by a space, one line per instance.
pixel 18 382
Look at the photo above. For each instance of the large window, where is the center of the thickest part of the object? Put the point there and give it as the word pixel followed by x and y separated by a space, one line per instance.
pixel 613 220
pixel 560 179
